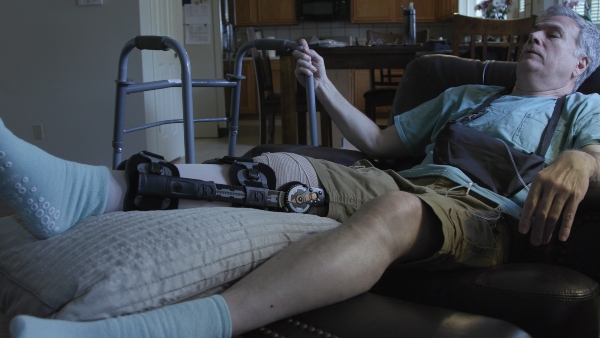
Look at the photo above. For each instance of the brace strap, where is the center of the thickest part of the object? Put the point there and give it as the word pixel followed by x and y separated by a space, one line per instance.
pixel 245 171
pixel 147 163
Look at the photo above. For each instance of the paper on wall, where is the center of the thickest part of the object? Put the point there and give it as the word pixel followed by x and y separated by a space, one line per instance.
pixel 197 19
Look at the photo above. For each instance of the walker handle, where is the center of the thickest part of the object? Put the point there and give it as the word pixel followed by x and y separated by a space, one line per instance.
pixel 151 42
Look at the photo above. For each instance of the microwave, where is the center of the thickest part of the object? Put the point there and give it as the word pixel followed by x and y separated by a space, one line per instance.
pixel 323 10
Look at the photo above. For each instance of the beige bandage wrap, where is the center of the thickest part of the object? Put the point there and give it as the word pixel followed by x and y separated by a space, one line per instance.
pixel 290 167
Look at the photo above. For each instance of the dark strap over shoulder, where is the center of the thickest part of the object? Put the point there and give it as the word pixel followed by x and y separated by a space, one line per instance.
pixel 550 128
pixel 549 132
pixel 489 101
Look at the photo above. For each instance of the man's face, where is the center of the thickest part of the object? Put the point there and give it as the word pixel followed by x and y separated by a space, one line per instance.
pixel 548 55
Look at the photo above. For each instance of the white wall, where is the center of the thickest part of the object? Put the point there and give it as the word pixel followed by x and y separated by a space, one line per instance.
pixel 58 68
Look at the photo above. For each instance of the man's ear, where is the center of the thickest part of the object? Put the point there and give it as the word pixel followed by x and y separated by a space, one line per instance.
pixel 582 64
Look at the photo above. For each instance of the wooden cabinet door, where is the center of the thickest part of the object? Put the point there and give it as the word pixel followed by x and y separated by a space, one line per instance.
pixel 445 9
pixel 245 12
pixel 265 12
pixel 248 95
pixel 361 84
pixel 248 98
pixel 276 12
pixel 375 11
pixel 370 11
pixel 425 10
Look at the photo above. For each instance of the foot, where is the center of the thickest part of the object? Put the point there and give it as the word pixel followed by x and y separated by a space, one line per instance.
pixel 48 193
pixel 207 317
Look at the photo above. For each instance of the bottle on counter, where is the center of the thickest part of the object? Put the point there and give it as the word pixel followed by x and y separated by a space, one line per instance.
pixel 409 25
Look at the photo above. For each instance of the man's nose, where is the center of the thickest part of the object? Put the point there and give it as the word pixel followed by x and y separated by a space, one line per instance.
pixel 534 37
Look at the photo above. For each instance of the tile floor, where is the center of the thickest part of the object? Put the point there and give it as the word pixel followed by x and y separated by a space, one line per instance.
pixel 209 148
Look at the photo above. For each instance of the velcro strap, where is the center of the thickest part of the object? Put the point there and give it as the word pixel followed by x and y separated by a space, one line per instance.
pixel 148 162
pixel 252 174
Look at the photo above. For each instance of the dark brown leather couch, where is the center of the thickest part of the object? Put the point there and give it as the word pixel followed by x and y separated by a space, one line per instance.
pixel 547 291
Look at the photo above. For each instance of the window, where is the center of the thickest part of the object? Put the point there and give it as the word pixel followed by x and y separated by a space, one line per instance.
pixel 591 8
pixel 467 7
pixel 521 7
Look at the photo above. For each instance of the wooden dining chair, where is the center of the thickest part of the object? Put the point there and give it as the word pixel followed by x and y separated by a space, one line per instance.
pixel 269 102
pixel 475 33
pixel 383 82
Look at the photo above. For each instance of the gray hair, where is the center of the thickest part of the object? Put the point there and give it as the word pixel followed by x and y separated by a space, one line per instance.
pixel 588 40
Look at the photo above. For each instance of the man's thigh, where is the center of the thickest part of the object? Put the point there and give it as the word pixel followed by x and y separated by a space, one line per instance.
pixel 475 233
pixel 348 188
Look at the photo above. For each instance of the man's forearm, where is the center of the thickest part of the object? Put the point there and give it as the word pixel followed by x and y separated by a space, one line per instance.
pixel 354 125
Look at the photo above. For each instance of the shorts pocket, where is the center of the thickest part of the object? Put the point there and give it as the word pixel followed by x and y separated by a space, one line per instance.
pixel 479 237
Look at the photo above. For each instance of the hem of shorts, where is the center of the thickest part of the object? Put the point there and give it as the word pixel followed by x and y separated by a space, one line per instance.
pixel 331 193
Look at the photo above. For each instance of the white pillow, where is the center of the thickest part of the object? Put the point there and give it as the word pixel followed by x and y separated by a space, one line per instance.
pixel 126 262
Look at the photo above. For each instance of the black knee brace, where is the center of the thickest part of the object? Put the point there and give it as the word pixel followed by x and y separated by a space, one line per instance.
pixel 137 167
pixel 154 184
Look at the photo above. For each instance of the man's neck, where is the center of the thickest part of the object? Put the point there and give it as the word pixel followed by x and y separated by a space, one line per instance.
pixel 544 92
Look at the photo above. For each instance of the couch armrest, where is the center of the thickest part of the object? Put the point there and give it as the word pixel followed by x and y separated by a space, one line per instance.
pixel 544 300
pixel 371 315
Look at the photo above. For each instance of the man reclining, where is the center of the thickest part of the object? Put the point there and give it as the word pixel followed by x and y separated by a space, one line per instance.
pixel 431 216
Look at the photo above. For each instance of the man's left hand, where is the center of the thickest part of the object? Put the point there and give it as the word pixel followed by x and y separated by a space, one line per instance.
pixel 555 194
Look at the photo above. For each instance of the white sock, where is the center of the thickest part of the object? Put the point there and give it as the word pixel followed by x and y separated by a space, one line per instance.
pixel 50 194
pixel 206 317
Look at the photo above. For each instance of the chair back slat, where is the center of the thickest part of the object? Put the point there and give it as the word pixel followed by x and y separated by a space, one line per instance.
pixel 513 34
pixel 389 77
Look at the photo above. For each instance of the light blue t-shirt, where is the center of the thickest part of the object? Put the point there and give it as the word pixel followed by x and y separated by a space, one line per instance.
pixel 519 121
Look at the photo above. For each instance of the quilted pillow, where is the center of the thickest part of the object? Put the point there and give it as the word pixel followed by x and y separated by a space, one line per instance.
pixel 126 262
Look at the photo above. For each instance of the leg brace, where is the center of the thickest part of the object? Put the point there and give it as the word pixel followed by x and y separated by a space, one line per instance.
pixel 154 184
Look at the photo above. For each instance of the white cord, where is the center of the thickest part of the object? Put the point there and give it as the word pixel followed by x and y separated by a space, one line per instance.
pixel 478 214
pixel 514 165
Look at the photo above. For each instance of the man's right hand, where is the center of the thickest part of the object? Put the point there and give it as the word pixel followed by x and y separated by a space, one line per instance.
pixel 309 63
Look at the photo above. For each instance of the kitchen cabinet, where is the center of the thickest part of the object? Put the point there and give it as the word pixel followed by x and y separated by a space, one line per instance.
pixel 445 9
pixel 264 12
pixel 249 95
pixel 248 98
pixel 361 83
pixel 390 11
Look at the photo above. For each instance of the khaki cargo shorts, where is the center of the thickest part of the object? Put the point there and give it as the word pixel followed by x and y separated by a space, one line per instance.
pixel 476 232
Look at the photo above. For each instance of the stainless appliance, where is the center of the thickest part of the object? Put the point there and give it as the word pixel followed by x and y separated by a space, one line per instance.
pixel 323 10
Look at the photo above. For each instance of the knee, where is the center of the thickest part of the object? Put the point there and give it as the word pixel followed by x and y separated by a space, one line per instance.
pixel 399 206
pixel 392 217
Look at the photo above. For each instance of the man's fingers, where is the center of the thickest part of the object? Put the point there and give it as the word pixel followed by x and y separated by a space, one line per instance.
pixel 529 208
pixel 541 216
pixel 568 216
pixel 553 217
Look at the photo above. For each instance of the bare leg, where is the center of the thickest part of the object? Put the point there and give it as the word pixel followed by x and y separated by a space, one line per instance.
pixel 333 266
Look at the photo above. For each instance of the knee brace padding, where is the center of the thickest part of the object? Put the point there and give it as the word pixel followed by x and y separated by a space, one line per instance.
pixel 252 174
pixel 147 162
pixel 245 171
